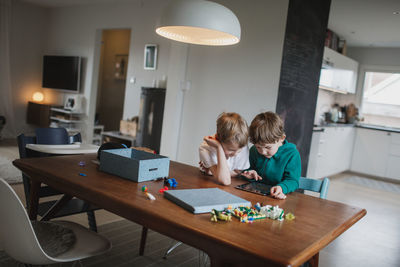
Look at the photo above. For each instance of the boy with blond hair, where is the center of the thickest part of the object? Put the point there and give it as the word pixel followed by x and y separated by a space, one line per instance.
pixel 273 160
pixel 225 154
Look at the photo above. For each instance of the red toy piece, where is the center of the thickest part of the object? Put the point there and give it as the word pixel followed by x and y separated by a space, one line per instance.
pixel 163 189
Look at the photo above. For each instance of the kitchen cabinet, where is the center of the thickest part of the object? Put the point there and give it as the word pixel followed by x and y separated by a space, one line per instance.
pixel 331 151
pixel 338 73
pixel 393 158
pixel 370 152
pixel 377 153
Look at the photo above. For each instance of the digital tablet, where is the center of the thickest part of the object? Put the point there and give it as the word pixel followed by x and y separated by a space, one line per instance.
pixel 255 187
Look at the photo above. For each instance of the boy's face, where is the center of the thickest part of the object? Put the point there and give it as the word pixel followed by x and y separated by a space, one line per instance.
pixel 231 149
pixel 268 150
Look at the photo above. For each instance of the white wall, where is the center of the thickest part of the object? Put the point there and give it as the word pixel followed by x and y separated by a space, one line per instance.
pixel 243 78
pixel 375 56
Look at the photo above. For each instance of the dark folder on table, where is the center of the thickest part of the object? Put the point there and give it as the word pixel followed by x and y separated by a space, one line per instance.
pixel 204 199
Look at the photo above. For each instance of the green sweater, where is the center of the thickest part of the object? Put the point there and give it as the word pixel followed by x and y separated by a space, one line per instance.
pixel 283 168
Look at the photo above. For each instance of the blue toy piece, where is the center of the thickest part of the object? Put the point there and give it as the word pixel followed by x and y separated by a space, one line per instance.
pixel 82 174
pixel 172 182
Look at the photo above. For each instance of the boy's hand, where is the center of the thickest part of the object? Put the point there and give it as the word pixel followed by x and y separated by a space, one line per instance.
pixel 204 169
pixel 252 174
pixel 276 192
pixel 212 141
pixel 236 173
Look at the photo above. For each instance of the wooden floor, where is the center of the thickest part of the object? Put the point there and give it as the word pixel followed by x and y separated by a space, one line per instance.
pixel 373 241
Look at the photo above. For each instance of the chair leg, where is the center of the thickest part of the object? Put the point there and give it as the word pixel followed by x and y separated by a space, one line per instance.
pixel 174 246
pixel 143 241
pixel 92 221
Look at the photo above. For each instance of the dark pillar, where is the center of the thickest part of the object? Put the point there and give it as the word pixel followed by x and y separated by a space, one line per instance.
pixel 301 65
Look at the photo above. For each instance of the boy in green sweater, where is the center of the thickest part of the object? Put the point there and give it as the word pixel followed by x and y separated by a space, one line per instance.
pixel 273 160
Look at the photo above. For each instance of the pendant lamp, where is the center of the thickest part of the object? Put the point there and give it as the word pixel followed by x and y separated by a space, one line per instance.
pixel 199 22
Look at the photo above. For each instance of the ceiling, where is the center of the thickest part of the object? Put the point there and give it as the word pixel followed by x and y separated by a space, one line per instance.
pixel 366 23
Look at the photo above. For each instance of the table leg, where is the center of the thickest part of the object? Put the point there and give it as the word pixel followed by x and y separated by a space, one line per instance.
pixel 34 199
pixel 56 207
pixel 314 260
pixel 143 240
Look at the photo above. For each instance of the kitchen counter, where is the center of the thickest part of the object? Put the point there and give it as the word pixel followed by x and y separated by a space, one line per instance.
pixel 320 128
pixel 379 128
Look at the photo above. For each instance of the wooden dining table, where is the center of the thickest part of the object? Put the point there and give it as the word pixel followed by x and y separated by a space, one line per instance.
pixel 264 242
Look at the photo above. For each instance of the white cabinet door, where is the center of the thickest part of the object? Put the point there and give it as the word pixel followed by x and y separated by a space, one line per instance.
pixel 342 149
pixel 393 161
pixel 370 152
pixel 352 71
pixel 313 159
pixel 338 73
pixel 338 149
pixel 331 151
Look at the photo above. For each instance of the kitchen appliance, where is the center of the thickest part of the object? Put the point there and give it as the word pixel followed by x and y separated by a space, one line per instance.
pixel 335 114
pixel 151 114
pixel 342 115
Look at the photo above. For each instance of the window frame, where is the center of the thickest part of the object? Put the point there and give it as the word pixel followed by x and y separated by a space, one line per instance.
pixel 360 83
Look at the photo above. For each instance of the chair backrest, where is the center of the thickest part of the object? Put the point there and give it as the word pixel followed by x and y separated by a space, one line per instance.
pixel 319 186
pixel 52 136
pixel 75 138
pixel 16 232
pixel 23 140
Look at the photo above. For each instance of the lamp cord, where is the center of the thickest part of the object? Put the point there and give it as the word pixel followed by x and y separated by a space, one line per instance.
pixel 182 91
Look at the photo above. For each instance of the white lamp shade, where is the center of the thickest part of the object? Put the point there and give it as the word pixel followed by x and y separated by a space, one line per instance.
pixel 199 22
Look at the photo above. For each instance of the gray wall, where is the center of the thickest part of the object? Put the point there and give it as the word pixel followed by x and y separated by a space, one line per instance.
pixel 27 33
pixel 375 56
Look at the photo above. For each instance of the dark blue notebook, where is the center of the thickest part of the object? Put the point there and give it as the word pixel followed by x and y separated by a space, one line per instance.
pixel 204 199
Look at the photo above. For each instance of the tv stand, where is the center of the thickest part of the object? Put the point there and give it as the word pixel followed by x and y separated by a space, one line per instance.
pixel 38 114
pixel 70 120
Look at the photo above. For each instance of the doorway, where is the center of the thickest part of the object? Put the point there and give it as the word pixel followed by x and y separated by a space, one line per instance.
pixel 114 56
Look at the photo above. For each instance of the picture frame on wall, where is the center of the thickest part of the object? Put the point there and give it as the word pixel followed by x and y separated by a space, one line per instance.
pixel 73 102
pixel 150 56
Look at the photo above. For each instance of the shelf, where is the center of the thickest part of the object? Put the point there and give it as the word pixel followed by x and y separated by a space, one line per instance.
pixel 65 111
pixel 65 120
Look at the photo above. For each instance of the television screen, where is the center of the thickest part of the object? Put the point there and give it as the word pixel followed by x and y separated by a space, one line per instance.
pixel 61 72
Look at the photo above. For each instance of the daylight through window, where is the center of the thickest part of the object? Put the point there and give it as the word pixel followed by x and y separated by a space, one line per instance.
pixel 381 98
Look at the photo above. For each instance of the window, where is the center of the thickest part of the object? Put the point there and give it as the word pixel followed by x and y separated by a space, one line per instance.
pixel 381 98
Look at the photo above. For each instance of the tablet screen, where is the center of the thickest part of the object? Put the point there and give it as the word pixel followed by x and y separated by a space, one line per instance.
pixel 255 187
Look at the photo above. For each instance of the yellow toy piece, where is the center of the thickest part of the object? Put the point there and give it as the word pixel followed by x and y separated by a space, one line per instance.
pixel 290 216
pixel 220 216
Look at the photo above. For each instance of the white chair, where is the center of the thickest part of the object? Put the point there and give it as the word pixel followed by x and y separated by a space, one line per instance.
pixel 21 242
